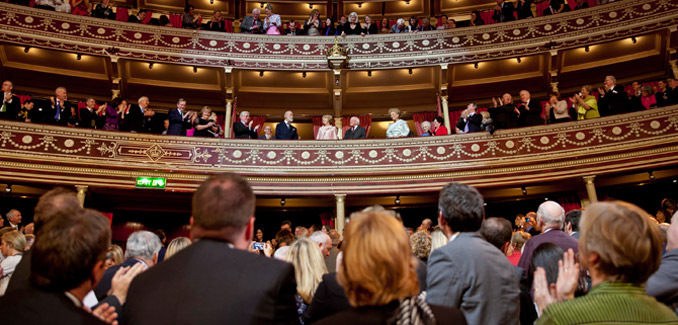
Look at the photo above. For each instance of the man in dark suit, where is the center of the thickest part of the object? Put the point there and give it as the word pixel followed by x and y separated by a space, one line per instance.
pixel 613 99
pixel 216 280
pixel 252 24
pixel 142 247
pixel 284 130
pixel 60 113
pixel 87 116
pixel 671 92
pixel 470 120
pixel 468 272
pixel 179 120
pixel 243 129
pixel 530 110
pixel 138 115
pixel 503 12
pixel 355 131
pixel 60 285
pixel 11 104
pixel 572 223
pixel 506 115
pixel 551 218
pixel 524 9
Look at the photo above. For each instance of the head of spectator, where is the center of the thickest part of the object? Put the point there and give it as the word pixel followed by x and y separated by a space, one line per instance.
pixel 29 229
pixel 427 224
pixel 12 243
pixel 342 19
pixel 223 209
pixel 524 96
pixel 518 239
pixel 7 86
pixel 547 256
pixel 165 124
pixel 572 221
pixel 425 23
pixel 163 20
pixel 292 25
pixel 335 236
pixel 300 231
pixel 315 15
pixel 143 245
pixel 550 215
pixel 281 253
pixel 326 228
pixel 323 241
pixel 244 117
pixel 497 231
pixel 284 238
pixel 54 201
pixel 610 82
pixel 636 87
pixel 661 85
pixel 259 235
pixel 400 23
pixel 461 209
pixel 414 22
pixel 618 242
pixel 117 256
pixel 354 121
pixel 438 239
pixel 289 116
pixel 28 104
pixel 255 14
pixel 394 113
pixel 30 239
pixel 161 235
pixel 420 242
pixel 143 102
pixel 309 267
pixel 506 99
pixel 181 104
pixel 14 217
pixel 661 215
pixel 286 225
pixel 268 131
pixel 385 26
pixel 669 205
pixel 80 239
pixel 141 15
pixel 329 22
pixel 353 18
pixel 61 93
pixel 176 245
pixel 475 15
pixel 442 20
pixel 519 222
pixel 327 120
pixel 646 91
pixel 367 19
pixel 426 126
pixel 90 103
pixel 189 9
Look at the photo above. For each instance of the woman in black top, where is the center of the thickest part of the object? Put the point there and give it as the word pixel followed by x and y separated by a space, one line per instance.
pixel 414 23
pixel 370 27
pixel 476 20
pixel 216 24
pixel 204 124
pixel 328 28
pixel 313 25
pixel 352 26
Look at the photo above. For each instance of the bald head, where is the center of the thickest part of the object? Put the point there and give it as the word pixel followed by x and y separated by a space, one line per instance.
pixel 497 231
pixel 551 215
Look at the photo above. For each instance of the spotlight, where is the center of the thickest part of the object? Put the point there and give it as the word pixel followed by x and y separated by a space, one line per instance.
pixel 397 200
pixel 410 71
pixel 303 74
pixel 282 202
pixel 369 73
pixel 634 40
pixel 360 4
pixel 475 65
pixel 484 204
pixel 261 73
pixel 650 175
pixel 195 69
pixel 262 5
pixel 587 49
pixel 150 65
pixel 407 2
pixel 518 59
pixel 675 181
pixel 211 2
pixel 546 199
pixel 310 6
pixel 79 57
pixel 26 49
pixel 524 190
pixel 8 188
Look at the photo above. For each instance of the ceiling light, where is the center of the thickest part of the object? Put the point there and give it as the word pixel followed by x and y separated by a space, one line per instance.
pixel 360 4
pixel 518 59
pixel 634 40
pixel 26 49
pixel 79 56
pixel 475 65
pixel 8 188
pixel 150 65
pixel 546 199
pixel 195 69
pixel 675 181
pixel 310 6
pixel 369 73
pixel 261 73
pixel 650 175
pixel 410 71
pixel 407 2
pixel 397 200
pixel 524 190
pixel 303 74
pixel 261 4
pixel 211 2
pixel 282 202
pixel 587 49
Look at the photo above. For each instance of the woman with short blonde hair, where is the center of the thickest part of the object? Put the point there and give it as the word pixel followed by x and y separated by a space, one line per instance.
pixel 176 245
pixel 327 131
pixel 12 247
pixel 309 268
pixel 399 127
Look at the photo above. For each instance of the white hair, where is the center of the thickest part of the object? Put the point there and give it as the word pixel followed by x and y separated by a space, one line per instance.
pixel 614 80
pixel 142 244
pixel 256 10
pixel 281 253
pixel 353 14
pixel 319 237
pixel 551 214
pixel 438 239
pixel 243 113
pixel 425 123
pixel 400 21
pixel 356 119
pixel 142 98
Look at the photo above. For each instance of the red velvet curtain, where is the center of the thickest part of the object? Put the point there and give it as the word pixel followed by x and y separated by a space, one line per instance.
pixel 420 118
pixel 234 115
pixel 23 98
pixel 121 14
pixel 327 219
pixel 487 16
pixel 258 120
pixel 175 20
pixel 221 120
pixel 317 123
pixel 148 17
pixel 228 25
pixel 570 202
pixel 365 121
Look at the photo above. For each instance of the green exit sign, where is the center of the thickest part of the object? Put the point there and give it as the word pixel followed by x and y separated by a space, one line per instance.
pixel 151 182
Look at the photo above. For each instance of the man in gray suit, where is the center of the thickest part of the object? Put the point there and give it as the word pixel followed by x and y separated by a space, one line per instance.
pixel 572 223
pixel 469 273
pixel 252 24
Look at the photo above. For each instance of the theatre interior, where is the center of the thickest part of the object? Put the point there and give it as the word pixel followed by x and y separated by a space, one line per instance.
pixel 145 180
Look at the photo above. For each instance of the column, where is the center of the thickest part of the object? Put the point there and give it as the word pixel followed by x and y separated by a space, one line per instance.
pixel 229 114
pixel 446 114
pixel 591 188
pixel 82 189
pixel 340 222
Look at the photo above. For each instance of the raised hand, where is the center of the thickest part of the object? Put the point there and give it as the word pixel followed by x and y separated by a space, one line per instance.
pixel 106 313
pixel 494 101
pixel 544 295
pixel 568 276
pixel 123 278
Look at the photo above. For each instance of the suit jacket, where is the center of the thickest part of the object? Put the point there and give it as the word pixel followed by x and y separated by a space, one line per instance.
pixel 474 122
pixel 241 131
pixel 504 116
pixel 382 314
pixel 359 133
pixel 663 284
pixel 331 261
pixel 671 96
pixel 474 276
pixel 34 306
pixel 282 132
pixel 135 120
pixel 615 101
pixel 177 123
pixel 11 109
pixel 211 283
pixel 101 290
pixel 506 13
pixel 555 236
pixel 524 10
pixel 532 116
pixel 87 119
pixel 64 114
pixel 248 22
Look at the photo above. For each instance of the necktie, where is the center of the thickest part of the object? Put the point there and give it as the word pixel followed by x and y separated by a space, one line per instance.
pixel 58 110
pixel 466 127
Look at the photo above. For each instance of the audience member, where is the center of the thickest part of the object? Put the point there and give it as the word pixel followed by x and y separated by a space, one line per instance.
pixel 399 128
pixel 286 225
pixel 268 133
pixel 300 231
pixel 620 249
pixel 252 24
pixel 323 241
pixel 515 250
pixel 613 99
pixel 328 27
pixel 292 28
pixel 451 24
pixel 503 12
pixel 179 119
pixel 572 223
pixel 426 128
pixel 222 226
pixel 176 245
pixel 586 104
pixel 551 219
pixel 669 205
pixel 476 20
pixel 312 26
pixel 190 19
pixel 60 113
pixel 355 131
pixel 439 126
pixel 663 284
pixel 557 110
pixel 88 116
pixel 329 299
pixel 468 272
pixel 331 260
pixel 12 247
pixel 114 113
pixel 11 104
pixel 138 115
pixel 438 239
pixel 581 4
pixel 420 243
pixel 399 27
pixel 139 18
pixel 529 110
pixel 661 94
pixel 427 225
pixel 524 9
pixel 370 28
pixel 327 131
pixel 352 27
pixel 30 239
pixel 379 276
pixel 340 24
pixel 385 26
pixel 284 130
pixel 505 116
pixel 647 98
pixel 413 24
pixel 497 231
pixel 243 129
pixel 425 25
pixel 103 10
pixel 284 238
pixel 470 120
pixel 309 269
pixel 216 23
pixel 80 7
pixel 442 22
pixel 14 219
pixel 272 22
pixel 163 20
pixel 117 255
pixel 531 226
pixel 27 113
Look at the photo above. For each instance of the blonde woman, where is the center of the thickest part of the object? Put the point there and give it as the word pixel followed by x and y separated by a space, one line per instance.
pixel 116 256
pixel 13 247
pixel 313 25
pixel 399 128
pixel 272 21
pixel 327 131
pixel 438 239
pixel 515 250
pixel 176 245
pixel 309 268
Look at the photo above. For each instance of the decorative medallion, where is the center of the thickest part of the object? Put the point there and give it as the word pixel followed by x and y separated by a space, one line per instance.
pixel 69 143
pixel 237 154
pixel 27 139
pixel 155 152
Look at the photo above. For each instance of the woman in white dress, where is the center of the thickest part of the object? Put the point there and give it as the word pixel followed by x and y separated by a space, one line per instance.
pixel 12 248
pixel 327 131
pixel 399 127
pixel 272 20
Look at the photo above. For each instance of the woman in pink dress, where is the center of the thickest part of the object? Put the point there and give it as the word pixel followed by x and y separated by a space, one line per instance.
pixel 327 131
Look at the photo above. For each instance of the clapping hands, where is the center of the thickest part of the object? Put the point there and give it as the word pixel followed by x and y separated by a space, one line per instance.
pixel 563 289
